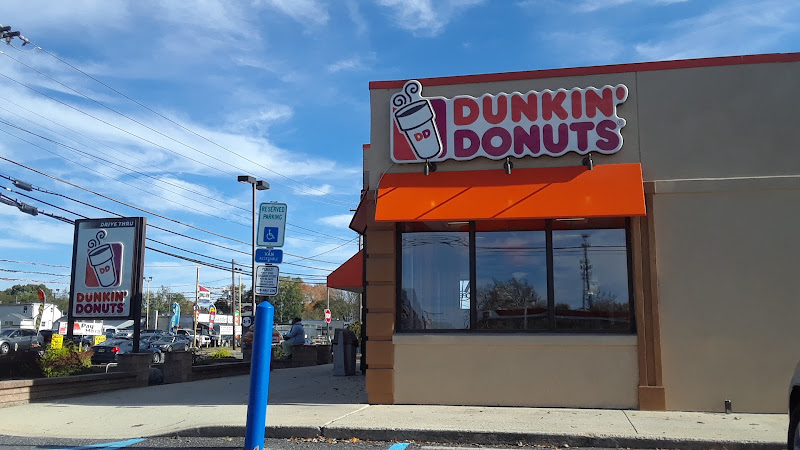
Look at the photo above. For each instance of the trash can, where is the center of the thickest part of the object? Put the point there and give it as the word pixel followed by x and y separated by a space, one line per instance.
pixel 344 352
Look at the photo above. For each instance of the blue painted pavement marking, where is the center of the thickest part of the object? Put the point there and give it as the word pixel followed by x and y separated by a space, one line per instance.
pixel 399 446
pixel 107 445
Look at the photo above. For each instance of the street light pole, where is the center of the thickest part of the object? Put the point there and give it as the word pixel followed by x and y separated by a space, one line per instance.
pixel 147 308
pixel 257 185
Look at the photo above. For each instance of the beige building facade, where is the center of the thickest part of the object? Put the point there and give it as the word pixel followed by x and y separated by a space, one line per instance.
pixel 600 237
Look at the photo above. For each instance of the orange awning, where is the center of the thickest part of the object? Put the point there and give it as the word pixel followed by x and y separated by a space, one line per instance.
pixel 613 190
pixel 350 275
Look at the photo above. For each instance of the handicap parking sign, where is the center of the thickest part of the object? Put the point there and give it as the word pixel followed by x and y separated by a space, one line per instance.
pixel 270 234
pixel 271 224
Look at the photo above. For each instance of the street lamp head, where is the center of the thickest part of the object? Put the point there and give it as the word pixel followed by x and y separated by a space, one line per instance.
pixel 262 185
pixel 247 179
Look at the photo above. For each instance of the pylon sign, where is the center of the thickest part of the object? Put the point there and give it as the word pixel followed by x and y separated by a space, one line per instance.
pixel 271 224
pixel 107 262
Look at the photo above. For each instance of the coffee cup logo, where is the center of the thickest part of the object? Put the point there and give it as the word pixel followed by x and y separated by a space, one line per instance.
pixel 103 262
pixel 415 118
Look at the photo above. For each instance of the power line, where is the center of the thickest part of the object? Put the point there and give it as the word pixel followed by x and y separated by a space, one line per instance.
pixel 164 117
pixel 98 172
pixel 159 228
pixel 135 187
pixel 121 202
pixel 153 240
pixel 133 156
pixel 342 203
pixel 32 263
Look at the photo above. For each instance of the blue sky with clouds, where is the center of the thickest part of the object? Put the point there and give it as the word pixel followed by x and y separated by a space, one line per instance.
pixel 277 89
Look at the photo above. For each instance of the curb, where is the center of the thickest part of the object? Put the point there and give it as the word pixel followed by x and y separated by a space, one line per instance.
pixel 484 438
pixel 556 440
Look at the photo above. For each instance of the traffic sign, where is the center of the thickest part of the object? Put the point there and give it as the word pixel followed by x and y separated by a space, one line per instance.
pixel 271 224
pixel 328 315
pixel 269 256
pixel 267 280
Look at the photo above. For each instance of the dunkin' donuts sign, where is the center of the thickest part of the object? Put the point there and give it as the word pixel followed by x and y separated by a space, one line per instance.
pixel 106 264
pixel 580 120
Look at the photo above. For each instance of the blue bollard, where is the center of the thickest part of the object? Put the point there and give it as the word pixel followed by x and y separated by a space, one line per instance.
pixel 259 378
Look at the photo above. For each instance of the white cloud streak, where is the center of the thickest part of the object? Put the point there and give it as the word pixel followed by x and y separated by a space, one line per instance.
pixel 422 18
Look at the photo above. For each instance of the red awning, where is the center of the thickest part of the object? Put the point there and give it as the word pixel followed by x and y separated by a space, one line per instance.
pixel 613 190
pixel 350 275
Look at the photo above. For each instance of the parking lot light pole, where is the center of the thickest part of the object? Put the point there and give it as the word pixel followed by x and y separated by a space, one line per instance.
pixel 260 186
pixel 147 308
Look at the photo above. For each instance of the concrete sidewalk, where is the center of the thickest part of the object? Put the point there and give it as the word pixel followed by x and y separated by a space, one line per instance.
pixel 309 401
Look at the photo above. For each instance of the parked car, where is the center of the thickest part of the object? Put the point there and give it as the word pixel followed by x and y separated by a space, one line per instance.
pixel 794 410
pixel 277 337
pixel 171 343
pixel 107 351
pixel 15 340
pixel 123 334
pixel 202 339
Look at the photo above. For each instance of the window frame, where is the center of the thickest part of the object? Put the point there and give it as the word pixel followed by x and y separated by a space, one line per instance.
pixel 551 314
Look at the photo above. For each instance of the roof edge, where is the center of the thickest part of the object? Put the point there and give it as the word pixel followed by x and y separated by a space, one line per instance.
pixel 595 70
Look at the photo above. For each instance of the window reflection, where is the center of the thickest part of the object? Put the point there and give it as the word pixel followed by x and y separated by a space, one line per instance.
pixel 434 268
pixel 590 276
pixel 511 280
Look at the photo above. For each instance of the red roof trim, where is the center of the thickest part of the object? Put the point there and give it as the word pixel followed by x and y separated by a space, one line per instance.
pixel 595 70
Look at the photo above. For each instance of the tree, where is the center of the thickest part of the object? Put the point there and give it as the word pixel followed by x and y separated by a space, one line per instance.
pixel 163 298
pixel 289 301
pixel 345 305
pixel 316 300
pixel 509 294
pixel 26 293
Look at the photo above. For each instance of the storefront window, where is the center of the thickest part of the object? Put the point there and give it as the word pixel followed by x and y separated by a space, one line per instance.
pixel 435 275
pixel 511 269
pixel 516 276
pixel 590 270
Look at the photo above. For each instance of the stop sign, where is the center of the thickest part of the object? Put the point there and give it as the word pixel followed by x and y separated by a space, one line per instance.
pixel 328 315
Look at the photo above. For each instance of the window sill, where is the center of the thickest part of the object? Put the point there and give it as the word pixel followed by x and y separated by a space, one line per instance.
pixel 505 339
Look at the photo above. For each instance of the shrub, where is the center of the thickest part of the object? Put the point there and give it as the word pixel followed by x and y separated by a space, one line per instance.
pixel 222 353
pixel 277 352
pixel 355 327
pixel 20 365
pixel 64 361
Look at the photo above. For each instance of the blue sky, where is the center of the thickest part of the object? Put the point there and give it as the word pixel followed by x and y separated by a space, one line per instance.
pixel 277 89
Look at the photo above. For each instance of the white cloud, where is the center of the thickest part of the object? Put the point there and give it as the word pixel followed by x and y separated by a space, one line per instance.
pixel 358 19
pixel 339 221
pixel 421 18
pixel 350 64
pixel 588 6
pixel 257 122
pixel 596 45
pixel 731 28
pixel 303 11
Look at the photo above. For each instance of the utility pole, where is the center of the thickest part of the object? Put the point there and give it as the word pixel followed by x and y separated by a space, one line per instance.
pixel 233 303
pixel 328 295
pixel 8 35
pixel 586 272
pixel 196 307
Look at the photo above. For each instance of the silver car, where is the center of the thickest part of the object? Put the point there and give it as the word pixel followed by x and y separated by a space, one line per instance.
pixel 170 343
pixel 794 410
pixel 18 340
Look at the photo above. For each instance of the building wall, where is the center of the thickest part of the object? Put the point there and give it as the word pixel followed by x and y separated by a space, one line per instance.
pixel 516 370
pixel 728 265
pixel 718 143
